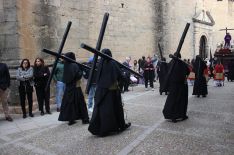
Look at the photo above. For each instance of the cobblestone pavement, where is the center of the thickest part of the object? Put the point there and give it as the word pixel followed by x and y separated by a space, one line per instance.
pixel 209 129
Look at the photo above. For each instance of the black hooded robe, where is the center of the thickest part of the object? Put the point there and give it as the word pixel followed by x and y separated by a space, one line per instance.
pixel 177 100
pixel 162 72
pixel 108 115
pixel 200 85
pixel 231 71
pixel 73 105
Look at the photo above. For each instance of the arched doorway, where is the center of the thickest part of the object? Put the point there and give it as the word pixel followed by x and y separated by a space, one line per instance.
pixel 202 47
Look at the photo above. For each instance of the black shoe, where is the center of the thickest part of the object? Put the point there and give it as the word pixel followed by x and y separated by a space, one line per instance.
pixel 198 95
pixel 160 93
pixel 31 115
pixel 85 121
pixel 42 113
pixel 71 122
pixel 174 120
pixel 184 118
pixel 203 95
pixel 24 115
pixel 48 112
pixel 127 125
pixel 8 118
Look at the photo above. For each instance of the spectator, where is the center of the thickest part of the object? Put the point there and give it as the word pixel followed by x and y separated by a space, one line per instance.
pixel 4 89
pixel 60 86
pixel 149 74
pixel 155 64
pixel 25 76
pixel 41 74
pixel 92 88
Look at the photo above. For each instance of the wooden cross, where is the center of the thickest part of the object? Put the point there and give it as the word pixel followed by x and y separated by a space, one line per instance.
pixel 179 59
pixel 160 51
pixel 104 56
pixel 98 47
pixel 66 58
pixel 226 29
pixel 59 53
pixel 176 56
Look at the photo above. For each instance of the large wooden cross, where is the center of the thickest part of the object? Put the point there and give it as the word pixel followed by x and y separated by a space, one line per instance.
pixel 176 56
pixel 95 57
pixel 226 29
pixel 179 59
pixel 59 53
pixel 160 51
pixel 104 56
pixel 66 58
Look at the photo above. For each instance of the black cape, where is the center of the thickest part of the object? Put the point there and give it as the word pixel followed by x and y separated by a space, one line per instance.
pixel 200 85
pixel 177 100
pixel 108 115
pixel 162 72
pixel 73 105
pixel 231 71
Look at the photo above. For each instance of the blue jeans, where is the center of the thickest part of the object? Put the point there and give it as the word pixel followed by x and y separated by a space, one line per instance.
pixel 91 95
pixel 60 87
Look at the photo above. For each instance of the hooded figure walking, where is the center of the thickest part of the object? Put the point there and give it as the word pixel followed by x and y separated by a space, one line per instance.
pixel 200 86
pixel 108 114
pixel 176 104
pixel 73 103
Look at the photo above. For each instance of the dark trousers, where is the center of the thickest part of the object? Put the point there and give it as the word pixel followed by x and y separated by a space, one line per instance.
pixel 23 93
pixel 150 80
pixel 124 84
pixel 43 97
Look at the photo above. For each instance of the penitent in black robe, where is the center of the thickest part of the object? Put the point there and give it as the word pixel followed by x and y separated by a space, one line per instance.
pixel 108 115
pixel 200 85
pixel 73 105
pixel 162 72
pixel 230 75
pixel 177 100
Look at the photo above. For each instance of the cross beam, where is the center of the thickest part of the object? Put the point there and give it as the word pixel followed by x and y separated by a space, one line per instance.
pixel 160 51
pixel 66 58
pixel 59 53
pixel 95 51
pixel 226 29
pixel 98 47
pixel 176 58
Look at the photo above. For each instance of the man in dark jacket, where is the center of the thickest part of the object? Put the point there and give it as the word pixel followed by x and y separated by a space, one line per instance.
pixel 4 89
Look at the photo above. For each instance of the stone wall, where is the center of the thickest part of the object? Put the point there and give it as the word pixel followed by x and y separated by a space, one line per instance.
pixel 9 37
pixel 134 27
pixel 130 30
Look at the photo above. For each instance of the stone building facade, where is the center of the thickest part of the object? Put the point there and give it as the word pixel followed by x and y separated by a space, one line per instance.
pixel 134 27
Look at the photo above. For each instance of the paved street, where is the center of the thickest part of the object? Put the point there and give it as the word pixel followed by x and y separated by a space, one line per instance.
pixel 209 129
